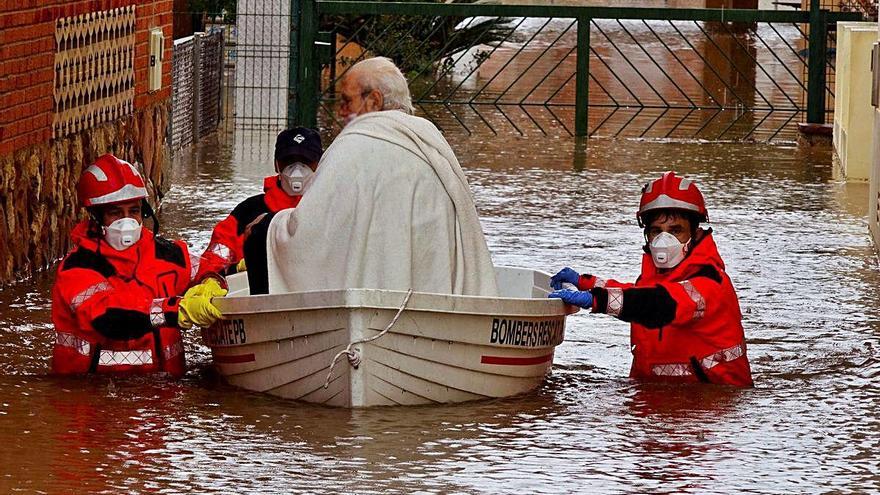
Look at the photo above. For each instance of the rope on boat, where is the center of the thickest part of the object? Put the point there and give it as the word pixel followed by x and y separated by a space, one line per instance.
pixel 354 358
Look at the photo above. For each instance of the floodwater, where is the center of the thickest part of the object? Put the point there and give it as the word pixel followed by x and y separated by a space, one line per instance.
pixel 796 244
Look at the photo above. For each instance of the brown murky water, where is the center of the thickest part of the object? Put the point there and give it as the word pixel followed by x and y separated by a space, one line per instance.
pixel 797 248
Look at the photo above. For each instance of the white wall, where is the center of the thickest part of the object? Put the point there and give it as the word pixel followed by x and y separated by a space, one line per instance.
pixel 874 190
pixel 852 104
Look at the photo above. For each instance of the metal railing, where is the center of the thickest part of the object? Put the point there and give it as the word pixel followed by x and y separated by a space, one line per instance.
pixel 196 104
pixel 669 73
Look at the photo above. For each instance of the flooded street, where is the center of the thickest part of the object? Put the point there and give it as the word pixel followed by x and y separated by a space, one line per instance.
pixel 796 244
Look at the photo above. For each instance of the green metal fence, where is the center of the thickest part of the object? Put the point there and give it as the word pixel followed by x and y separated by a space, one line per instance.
pixel 668 73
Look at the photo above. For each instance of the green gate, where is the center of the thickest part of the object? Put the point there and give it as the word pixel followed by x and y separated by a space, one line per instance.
pixel 582 71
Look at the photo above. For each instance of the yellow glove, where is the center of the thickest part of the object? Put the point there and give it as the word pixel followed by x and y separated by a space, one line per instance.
pixel 209 286
pixel 240 267
pixel 195 307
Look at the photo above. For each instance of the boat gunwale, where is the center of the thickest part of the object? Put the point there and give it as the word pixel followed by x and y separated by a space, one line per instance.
pixel 354 299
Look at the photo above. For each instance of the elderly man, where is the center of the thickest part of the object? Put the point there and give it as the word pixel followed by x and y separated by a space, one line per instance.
pixel 389 207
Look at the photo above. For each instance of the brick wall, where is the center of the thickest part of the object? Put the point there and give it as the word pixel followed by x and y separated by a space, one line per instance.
pixel 27 59
pixel 38 173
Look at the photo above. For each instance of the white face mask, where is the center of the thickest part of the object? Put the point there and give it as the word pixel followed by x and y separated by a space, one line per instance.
pixel 295 178
pixel 122 233
pixel 666 251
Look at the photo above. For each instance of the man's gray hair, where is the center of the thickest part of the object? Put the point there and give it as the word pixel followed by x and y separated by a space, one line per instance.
pixel 381 74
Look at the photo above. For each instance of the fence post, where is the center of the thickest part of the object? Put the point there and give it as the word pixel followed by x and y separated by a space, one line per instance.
pixel 307 106
pixel 582 79
pixel 292 66
pixel 197 85
pixel 816 64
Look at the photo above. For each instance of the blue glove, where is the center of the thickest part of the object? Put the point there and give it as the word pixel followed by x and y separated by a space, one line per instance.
pixel 564 275
pixel 580 298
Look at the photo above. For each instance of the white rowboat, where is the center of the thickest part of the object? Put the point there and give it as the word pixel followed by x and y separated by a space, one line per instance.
pixel 442 348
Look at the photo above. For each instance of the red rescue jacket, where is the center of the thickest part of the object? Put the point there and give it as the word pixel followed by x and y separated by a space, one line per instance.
pixel 227 241
pixel 116 311
pixel 686 324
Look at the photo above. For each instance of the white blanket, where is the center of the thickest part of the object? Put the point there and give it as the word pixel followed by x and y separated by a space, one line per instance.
pixel 389 208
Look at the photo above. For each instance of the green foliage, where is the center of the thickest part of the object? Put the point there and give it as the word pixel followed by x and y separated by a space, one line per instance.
pixel 215 8
pixel 417 44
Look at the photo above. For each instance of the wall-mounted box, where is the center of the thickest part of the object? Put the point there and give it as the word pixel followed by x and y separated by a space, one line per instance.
pixel 157 56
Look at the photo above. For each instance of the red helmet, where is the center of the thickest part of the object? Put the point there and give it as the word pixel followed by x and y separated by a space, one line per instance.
pixel 110 180
pixel 671 192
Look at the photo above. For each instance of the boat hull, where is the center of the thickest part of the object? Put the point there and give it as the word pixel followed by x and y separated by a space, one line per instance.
pixel 442 348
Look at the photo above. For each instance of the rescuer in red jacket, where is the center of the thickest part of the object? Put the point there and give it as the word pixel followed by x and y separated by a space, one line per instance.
pixel 115 302
pixel 686 324
pixel 297 152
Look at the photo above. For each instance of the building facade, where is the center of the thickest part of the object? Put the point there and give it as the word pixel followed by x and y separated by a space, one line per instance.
pixel 77 79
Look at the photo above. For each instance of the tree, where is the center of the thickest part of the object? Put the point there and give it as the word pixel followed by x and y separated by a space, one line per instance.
pixel 419 44
pixel 215 8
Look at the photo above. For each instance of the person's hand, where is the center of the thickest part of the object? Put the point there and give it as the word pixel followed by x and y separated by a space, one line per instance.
pixel 241 266
pixel 581 298
pixel 196 308
pixel 566 275
pixel 209 285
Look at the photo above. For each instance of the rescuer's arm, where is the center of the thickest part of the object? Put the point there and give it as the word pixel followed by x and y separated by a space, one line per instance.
pixel 581 298
pixel 587 282
pixel 121 314
pixel 582 282
pixel 196 306
pixel 224 250
pixel 663 304
pixel 114 312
